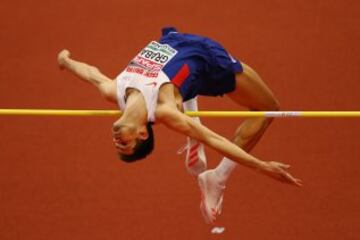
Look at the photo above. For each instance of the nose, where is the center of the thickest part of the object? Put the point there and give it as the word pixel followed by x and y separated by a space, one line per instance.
pixel 116 127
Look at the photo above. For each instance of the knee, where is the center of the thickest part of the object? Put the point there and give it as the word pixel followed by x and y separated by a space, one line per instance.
pixel 270 105
pixel 275 105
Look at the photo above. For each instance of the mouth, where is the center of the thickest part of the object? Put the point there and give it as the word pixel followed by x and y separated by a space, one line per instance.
pixel 124 147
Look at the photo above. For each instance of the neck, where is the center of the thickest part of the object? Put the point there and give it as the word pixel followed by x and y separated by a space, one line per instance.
pixel 135 111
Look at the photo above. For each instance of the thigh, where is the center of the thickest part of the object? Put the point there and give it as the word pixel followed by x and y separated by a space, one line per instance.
pixel 252 92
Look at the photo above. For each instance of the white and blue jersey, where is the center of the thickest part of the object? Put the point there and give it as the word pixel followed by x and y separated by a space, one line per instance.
pixel 195 65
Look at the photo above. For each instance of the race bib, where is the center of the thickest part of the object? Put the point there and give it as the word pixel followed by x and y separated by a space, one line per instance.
pixel 153 57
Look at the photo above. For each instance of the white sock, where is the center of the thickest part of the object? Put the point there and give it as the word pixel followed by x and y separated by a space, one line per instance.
pixel 224 169
pixel 192 105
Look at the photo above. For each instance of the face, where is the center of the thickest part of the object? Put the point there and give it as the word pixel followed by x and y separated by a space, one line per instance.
pixel 125 146
pixel 125 139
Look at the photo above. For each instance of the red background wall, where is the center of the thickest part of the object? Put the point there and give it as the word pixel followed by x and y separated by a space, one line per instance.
pixel 59 176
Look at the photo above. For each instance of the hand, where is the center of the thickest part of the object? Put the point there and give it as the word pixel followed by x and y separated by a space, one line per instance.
pixel 62 57
pixel 278 171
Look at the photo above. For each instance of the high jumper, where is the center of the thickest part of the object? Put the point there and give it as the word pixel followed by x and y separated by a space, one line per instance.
pixel 166 77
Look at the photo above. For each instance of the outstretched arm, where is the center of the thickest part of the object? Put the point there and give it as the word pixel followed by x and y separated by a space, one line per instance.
pixel 183 124
pixel 90 74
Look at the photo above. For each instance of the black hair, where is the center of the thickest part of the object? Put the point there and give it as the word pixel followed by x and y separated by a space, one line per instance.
pixel 142 147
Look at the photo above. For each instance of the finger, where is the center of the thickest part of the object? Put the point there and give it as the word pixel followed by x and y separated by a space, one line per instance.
pixel 292 179
pixel 286 166
pixel 299 182
pixel 283 165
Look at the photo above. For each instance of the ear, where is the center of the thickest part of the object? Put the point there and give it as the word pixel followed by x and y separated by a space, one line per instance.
pixel 143 133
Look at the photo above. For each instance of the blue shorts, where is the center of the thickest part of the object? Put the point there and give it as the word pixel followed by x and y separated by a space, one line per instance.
pixel 201 66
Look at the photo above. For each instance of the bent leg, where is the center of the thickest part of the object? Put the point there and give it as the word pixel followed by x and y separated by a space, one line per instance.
pixel 90 74
pixel 252 93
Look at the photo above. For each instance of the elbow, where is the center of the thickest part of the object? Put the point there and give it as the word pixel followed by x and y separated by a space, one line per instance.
pixel 186 130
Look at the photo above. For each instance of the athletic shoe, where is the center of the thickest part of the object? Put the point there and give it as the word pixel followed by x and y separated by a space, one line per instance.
pixel 195 161
pixel 211 195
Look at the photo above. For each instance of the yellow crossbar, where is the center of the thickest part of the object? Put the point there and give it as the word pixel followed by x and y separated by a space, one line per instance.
pixel 102 113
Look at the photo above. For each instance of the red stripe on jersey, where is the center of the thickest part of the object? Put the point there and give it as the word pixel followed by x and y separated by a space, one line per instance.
pixel 181 75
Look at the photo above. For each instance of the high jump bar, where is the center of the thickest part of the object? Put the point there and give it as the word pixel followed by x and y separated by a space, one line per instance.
pixel 105 113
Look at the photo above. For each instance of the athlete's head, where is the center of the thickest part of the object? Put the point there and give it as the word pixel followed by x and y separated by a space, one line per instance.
pixel 133 142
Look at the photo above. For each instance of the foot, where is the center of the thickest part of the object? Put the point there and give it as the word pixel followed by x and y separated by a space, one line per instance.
pixel 195 161
pixel 211 195
pixel 62 57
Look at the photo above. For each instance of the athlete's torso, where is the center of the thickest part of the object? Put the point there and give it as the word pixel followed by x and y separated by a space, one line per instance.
pixel 144 73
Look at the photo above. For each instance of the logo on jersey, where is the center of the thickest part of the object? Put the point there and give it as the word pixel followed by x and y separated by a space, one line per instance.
pixel 232 58
pixel 151 84
pixel 151 59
